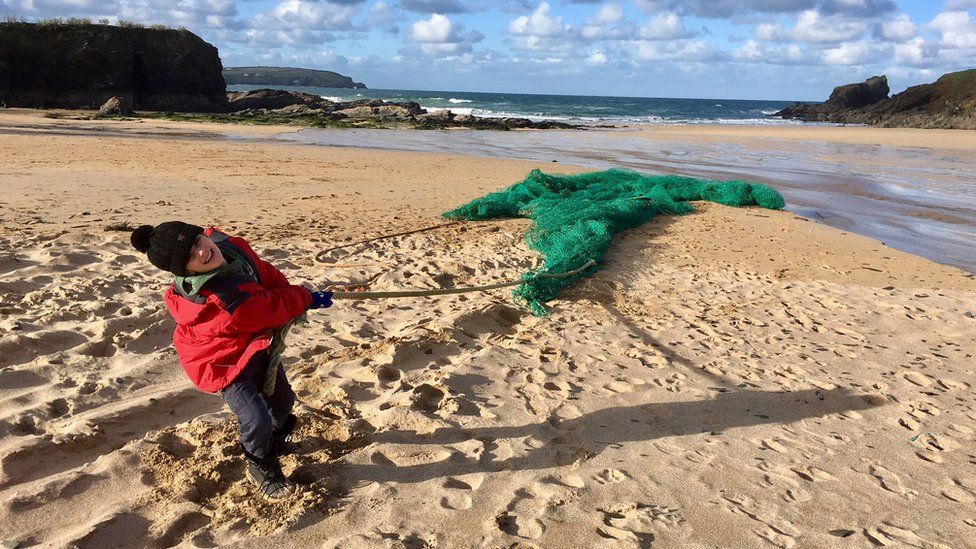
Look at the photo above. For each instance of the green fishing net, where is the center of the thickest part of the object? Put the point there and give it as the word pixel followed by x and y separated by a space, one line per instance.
pixel 576 216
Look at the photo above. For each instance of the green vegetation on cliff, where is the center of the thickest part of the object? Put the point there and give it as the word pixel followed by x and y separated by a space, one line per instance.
pixel 285 76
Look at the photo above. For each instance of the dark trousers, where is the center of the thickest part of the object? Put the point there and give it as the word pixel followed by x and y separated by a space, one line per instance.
pixel 258 415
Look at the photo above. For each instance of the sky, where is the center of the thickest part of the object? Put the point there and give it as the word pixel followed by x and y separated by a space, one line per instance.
pixel 717 49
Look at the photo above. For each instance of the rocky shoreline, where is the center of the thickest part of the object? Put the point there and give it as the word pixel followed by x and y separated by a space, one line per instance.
pixel 947 103
pixel 270 106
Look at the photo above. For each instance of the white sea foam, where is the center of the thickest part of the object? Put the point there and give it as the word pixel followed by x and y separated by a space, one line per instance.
pixel 455 110
pixel 333 98
pixel 453 100
pixel 769 113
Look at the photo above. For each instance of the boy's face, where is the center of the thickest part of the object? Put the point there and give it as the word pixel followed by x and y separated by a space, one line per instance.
pixel 205 256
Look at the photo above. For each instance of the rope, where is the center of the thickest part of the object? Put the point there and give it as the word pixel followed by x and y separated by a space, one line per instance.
pixel 447 291
pixel 319 256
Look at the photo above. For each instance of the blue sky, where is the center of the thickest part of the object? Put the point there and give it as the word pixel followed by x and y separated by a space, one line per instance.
pixel 735 49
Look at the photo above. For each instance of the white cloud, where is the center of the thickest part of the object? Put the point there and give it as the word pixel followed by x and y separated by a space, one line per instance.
pixel 439 28
pixel 754 51
pixel 603 24
pixel 749 50
pixel 608 14
pixel 664 26
pixel 899 29
pixel 439 35
pixel 309 14
pixel 849 53
pixel 59 8
pixel 814 27
pixel 957 29
pixel 597 58
pixel 725 9
pixel 681 50
pixel 954 5
pixel 539 24
pixel 383 16
pixel 541 32
pixel 592 32
pixel 915 53
pixel 769 31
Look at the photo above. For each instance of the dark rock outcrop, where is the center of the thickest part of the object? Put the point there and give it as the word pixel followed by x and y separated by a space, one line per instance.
pixel 842 99
pixel 370 108
pixel 949 102
pixel 287 76
pixel 273 99
pixel 115 106
pixel 283 107
pixel 83 65
pixel 862 94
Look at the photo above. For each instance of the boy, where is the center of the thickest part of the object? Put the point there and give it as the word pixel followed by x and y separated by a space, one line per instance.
pixel 229 305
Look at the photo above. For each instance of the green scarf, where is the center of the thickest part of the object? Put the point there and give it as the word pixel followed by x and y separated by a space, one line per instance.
pixel 234 265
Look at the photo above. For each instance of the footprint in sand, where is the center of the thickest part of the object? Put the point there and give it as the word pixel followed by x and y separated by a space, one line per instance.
pixel 773 528
pixel 956 492
pixel 520 526
pixel 890 535
pixel 642 523
pixel 812 474
pixel 611 476
pixel 889 481
pixel 456 502
pixel 461 486
pixel 428 398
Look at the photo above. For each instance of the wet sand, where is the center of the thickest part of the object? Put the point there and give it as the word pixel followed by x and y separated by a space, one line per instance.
pixel 733 378
pixel 911 189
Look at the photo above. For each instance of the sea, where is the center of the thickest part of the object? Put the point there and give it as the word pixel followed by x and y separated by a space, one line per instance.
pixel 572 109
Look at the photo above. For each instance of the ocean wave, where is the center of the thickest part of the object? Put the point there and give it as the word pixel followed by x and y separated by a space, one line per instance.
pixel 333 98
pixel 454 100
pixel 769 113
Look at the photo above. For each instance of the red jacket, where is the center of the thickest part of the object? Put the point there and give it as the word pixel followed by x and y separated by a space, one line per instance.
pixel 231 318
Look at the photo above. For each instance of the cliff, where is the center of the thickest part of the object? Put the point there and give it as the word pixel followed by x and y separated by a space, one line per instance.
pixel 949 102
pixel 285 76
pixel 81 66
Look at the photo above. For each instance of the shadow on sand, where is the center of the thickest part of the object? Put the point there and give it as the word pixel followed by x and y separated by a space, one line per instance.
pixel 568 441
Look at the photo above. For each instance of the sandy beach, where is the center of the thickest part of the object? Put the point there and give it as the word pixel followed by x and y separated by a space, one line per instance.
pixel 731 378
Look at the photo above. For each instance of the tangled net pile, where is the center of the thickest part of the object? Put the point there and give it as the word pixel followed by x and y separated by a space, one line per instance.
pixel 576 216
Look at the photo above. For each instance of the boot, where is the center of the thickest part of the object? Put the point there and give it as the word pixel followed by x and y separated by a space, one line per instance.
pixel 266 474
pixel 279 437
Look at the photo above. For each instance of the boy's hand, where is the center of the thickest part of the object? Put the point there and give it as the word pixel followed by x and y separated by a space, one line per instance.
pixel 321 300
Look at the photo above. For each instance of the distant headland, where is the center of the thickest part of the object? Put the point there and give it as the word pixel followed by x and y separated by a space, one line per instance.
pixel 288 76
pixel 948 103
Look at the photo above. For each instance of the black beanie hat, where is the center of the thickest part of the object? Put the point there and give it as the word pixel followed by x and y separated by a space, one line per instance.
pixel 168 244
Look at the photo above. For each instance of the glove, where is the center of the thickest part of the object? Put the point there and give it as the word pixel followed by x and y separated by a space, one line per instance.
pixel 321 300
